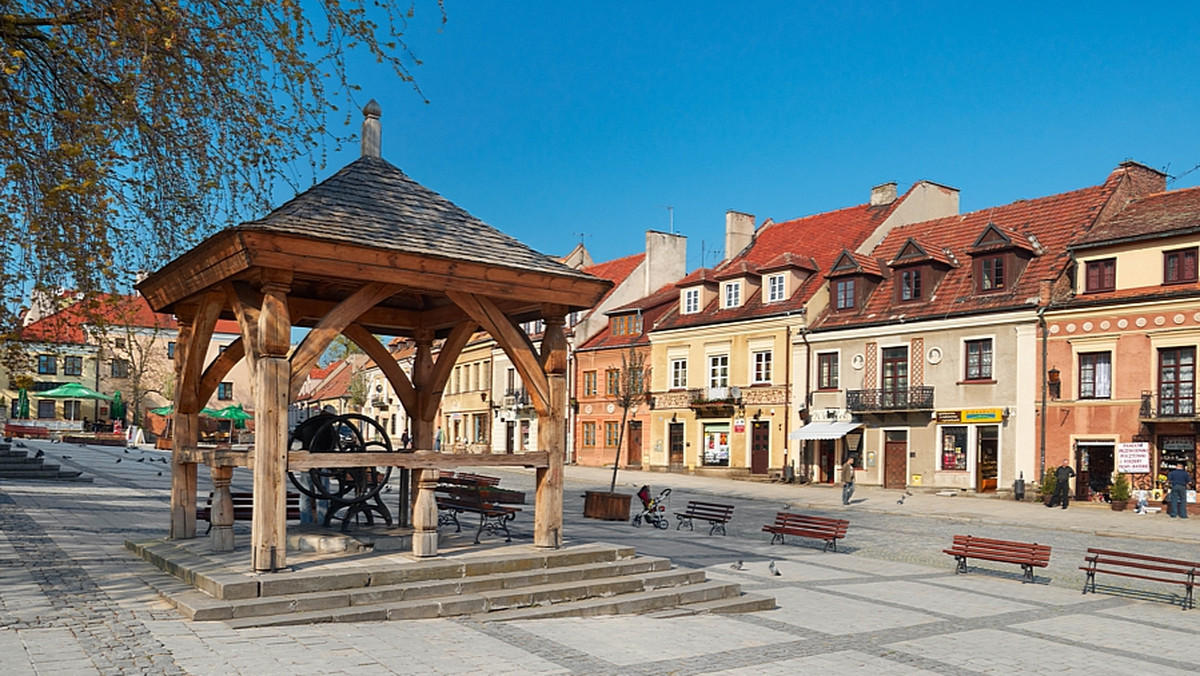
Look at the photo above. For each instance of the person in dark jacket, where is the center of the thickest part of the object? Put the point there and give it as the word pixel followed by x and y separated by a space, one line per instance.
pixel 1062 485
pixel 1177 483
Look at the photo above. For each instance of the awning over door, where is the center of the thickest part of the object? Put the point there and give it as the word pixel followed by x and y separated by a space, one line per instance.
pixel 825 430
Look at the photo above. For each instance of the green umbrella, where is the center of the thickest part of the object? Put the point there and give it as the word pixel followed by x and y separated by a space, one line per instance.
pixel 170 408
pixel 236 413
pixel 118 406
pixel 23 404
pixel 72 391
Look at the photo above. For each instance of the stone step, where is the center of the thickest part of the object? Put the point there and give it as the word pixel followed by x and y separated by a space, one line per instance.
pixel 656 593
pixel 625 604
pixel 746 603
pixel 199 606
pixel 44 472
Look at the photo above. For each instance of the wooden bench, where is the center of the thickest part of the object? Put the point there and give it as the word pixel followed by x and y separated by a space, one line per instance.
pixel 716 514
pixel 455 500
pixel 1027 554
pixel 468 479
pixel 1142 567
pixel 243 508
pixel 803 525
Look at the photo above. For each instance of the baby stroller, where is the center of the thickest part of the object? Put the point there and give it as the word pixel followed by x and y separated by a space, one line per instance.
pixel 654 512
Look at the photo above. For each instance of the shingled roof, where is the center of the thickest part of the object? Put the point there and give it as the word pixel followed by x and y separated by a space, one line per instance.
pixel 1165 213
pixel 372 201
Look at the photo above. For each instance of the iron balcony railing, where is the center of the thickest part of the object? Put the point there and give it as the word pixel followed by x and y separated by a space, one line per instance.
pixel 1168 407
pixel 911 399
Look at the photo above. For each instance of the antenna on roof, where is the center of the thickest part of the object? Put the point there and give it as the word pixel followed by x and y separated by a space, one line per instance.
pixel 670 216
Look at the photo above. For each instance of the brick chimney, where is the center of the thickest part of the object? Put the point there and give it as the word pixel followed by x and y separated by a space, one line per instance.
pixel 739 232
pixel 884 193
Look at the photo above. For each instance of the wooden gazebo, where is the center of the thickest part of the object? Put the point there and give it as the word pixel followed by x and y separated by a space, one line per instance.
pixel 366 252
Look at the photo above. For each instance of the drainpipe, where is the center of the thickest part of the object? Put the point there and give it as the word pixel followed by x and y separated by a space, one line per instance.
pixel 807 388
pixel 1041 316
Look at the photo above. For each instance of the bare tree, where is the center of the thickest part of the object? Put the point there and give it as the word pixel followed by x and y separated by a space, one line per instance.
pixel 632 386
pixel 129 129
pixel 135 343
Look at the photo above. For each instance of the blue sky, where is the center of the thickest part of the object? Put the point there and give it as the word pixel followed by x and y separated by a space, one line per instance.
pixel 556 121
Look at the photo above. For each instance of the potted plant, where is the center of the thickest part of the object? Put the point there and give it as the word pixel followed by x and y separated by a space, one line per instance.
pixel 1119 492
pixel 1047 486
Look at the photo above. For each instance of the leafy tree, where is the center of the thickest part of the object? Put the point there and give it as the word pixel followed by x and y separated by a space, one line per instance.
pixel 130 129
pixel 632 387
pixel 357 389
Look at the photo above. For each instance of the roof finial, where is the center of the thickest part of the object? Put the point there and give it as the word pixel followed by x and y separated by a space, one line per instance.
pixel 370 130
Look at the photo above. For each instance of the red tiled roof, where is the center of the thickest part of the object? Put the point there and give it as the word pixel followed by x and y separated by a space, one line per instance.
pixel 652 308
pixel 866 265
pixel 820 237
pixel 1053 220
pixel 66 325
pixel 1152 216
pixel 786 260
pixel 616 270
pixel 336 384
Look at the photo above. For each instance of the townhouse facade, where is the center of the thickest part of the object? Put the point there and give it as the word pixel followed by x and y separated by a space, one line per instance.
pixel 1120 390
pixel 723 374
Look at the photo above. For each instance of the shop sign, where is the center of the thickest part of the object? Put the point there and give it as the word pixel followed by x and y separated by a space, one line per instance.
pixel 1177 443
pixel 973 415
pixel 739 425
pixel 1133 457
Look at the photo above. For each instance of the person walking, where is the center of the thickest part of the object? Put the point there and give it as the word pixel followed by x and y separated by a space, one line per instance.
pixel 1177 481
pixel 848 480
pixel 1062 485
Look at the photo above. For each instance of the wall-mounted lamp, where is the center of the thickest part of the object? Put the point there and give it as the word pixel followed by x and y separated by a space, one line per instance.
pixel 1053 383
pixel 758 414
pixel 1005 413
pixel 483 396
pixel 674 417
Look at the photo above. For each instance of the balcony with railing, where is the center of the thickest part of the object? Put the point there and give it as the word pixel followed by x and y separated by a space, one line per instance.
pixel 714 402
pixel 880 400
pixel 1155 407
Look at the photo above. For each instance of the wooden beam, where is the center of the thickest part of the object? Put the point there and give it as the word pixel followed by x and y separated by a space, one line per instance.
pixel 245 302
pixel 217 259
pixel 332 325
pixel 188 390
pixel 219 367
pixel 513 340
pixel 304 460
pixel 305 309
pixel 387 364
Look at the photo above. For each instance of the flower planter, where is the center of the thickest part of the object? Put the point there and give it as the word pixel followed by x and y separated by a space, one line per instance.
pixel 1118 505
pixel 606 506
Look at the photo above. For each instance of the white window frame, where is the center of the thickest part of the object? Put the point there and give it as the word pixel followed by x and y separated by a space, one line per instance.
pixel 776 288
pixel 679 374
pixel 758 359
pixel 731 294
pixel 691 301
pixel 718 370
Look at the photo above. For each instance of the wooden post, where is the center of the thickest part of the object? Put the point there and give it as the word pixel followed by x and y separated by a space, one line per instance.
pixel 221 514
pixel 272 372
pixel 548 518
pixel 424 513
pixel 186 436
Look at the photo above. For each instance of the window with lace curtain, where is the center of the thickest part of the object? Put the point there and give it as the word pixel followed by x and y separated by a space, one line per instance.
pixel 1095 375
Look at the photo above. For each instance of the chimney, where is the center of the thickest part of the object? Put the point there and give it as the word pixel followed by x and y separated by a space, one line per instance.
pixel 884 193
pixel 1143 179
pixel 370 129
pixel 739 232
pixel 666 260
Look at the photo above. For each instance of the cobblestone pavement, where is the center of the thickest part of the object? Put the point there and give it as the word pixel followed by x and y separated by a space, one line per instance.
pixel 73 601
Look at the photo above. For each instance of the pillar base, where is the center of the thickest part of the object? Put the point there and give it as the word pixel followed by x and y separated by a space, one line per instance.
pixel 425 544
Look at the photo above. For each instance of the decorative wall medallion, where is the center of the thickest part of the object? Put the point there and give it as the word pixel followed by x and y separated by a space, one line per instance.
pixel 1139 322
pixel 1159 321
pixel 857 361
pixel 1178 319
pixel 1122 323
pixel 587 408
pixel 1055 329
pixel 1070 328
pixel 1087 326
pixel 1104 325
pixel 610 408
pixel 934 355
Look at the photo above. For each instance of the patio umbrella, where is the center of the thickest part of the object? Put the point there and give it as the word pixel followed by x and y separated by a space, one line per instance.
pixel 235 413
pixel 73 391
pixel 170 408
pixel 22 404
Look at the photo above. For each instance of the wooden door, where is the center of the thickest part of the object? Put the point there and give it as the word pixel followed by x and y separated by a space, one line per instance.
pixel 675 442
pixel 826 459
pixel 987 443
pixel 760 447
pixel 510 436
pixel 895 460
pixel 633 449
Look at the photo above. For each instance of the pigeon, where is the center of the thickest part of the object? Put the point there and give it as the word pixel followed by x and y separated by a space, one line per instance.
pixel 908 492
pixel 901 500
pixel 39 454
pixel 163 460
pixel 118 460
pixel 127 450
pixel 387 489
pixel 160 473
pixel 738 565
pixel 141 460
pixel 20 444
pixel 774 571
pixel 66 457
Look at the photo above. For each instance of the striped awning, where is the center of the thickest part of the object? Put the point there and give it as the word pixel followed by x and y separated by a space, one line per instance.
pixel 825 430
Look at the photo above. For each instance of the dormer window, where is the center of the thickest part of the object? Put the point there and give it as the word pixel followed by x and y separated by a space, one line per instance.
pixel 910 285
pixel 990 275
pixel 1179 266
pixel 776 288
pixel 1101 275
pixel 627 325
pixel 843 291
pixel 733 295
pixel 691 301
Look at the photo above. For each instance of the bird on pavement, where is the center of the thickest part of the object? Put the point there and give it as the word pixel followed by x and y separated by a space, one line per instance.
pixel 141 460
pixel 901 500
pixel 160 473
pixel 118 460
pixel 39 454
pixel 127 450
pixel 66 457
pixel 738 565
pixel 773 569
